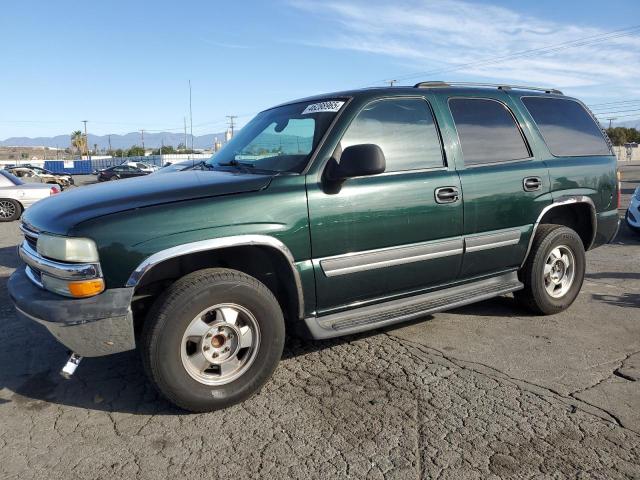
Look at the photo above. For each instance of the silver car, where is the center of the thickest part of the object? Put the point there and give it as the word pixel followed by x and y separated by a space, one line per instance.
pixel 15 195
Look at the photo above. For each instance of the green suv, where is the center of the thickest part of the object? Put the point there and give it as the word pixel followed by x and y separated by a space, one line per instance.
pixel 327 216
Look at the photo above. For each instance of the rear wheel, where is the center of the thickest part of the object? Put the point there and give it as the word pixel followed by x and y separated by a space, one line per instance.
pixel 554 271
pixel 10 210
pixel 212 339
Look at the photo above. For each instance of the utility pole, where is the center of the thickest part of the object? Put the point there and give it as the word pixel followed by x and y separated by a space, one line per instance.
pixel 611 119
pixel 190 115
pixel 232 123
pixel 109 144
pixel 185 132
pixel 86 140
pixel 142 136
pixel 392 82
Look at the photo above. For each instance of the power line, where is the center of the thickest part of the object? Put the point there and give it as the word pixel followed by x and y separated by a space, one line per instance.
pixel 584 41
pixel 619 111
pixel 596 105
pixel 637 115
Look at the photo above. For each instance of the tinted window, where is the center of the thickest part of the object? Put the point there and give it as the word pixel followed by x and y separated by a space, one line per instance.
pixel 487 131
pixel 403 128
pixel 280 139
pixel 566 126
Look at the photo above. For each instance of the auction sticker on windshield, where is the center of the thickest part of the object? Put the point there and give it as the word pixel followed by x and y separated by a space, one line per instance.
pixel 332 106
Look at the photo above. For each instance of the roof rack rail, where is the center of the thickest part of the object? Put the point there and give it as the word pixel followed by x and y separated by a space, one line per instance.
pixel 441 84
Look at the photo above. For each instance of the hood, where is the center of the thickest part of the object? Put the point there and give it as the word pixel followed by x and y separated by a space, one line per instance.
pixel 60 213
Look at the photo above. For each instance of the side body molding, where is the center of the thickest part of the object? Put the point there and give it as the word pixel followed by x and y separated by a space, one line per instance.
pixel 559 202
pixel 217 244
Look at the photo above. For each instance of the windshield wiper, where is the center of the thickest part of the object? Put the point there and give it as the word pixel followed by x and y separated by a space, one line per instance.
pixel 245 167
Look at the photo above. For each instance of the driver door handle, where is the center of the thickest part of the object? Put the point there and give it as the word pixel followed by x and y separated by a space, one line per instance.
pixel 447 194
pixel 531 184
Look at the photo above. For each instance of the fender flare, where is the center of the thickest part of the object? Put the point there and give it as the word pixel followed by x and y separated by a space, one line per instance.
pixel 219 244
pixel 561 202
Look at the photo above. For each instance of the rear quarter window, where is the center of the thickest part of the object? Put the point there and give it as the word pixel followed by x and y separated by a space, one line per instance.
pixel 567 127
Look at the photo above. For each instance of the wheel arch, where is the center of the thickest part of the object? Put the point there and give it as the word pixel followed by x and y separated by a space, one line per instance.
pixel 574 211
pixel 261 256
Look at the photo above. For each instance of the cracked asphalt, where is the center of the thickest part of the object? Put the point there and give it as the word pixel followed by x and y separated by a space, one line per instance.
pixel 485 391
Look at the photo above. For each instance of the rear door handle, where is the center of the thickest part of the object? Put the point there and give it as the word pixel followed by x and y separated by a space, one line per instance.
pixel 447 194
pixel 531 184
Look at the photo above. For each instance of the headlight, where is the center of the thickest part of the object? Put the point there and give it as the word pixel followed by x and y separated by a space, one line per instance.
pixel 67 249
pixel 637 193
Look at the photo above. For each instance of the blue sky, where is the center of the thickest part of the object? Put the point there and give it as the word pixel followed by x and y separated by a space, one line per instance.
pixel 125 65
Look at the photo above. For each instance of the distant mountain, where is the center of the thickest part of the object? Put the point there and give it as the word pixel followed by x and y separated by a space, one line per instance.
pixel 151 140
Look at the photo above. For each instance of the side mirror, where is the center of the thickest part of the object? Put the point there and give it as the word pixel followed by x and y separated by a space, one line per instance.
pixel 358 161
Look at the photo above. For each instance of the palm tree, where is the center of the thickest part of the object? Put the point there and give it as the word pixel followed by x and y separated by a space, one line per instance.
pixel 78 141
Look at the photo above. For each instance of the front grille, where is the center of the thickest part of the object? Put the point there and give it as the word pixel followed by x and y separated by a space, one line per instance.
pixel 30 235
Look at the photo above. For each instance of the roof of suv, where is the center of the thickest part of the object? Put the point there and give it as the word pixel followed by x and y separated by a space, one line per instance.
pixel 436 86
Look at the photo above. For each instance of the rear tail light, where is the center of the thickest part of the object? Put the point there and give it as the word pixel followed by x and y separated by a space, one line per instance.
pixel 54 191
pixel 619 190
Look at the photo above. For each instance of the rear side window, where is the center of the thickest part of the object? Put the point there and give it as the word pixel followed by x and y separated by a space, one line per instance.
pixel 403 128
pixel 566 126
pixel 487 130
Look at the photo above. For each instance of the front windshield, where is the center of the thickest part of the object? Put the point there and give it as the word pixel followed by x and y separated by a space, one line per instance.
pixel 281 139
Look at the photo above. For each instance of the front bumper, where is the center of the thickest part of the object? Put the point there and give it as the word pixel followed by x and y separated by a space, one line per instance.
pixel 90 327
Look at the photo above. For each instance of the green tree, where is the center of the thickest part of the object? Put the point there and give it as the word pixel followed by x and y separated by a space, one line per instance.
pixel 166 150
pixel 135 151
pixel 621 135
pixel 78 141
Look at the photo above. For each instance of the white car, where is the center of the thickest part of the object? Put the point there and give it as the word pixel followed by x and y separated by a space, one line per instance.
pixel 633 212
pixel 145 167
pixel 16 196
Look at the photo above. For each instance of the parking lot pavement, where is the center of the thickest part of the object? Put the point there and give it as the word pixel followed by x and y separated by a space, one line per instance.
pixel 485 391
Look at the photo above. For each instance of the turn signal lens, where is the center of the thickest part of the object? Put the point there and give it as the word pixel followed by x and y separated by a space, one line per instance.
pixel 79 289
pixel 54 191
pixel 87 288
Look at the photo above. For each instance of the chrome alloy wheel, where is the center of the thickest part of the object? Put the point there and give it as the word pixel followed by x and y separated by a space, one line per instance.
pixel 7 209
pixel 559 271
pixel 220 344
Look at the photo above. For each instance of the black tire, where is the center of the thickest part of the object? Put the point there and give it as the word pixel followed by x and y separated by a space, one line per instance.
pixel 172 313
pixel 534 296
pixel 115 177
pixel 10 216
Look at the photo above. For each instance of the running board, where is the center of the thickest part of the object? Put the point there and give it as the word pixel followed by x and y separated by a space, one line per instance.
pixel 395 311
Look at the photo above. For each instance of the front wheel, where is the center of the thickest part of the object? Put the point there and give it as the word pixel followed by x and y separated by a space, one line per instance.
pixel 212 339
pixel 10 210
pixel 554 270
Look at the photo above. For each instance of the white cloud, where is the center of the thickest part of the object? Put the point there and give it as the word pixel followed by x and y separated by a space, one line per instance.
pixel 434 36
